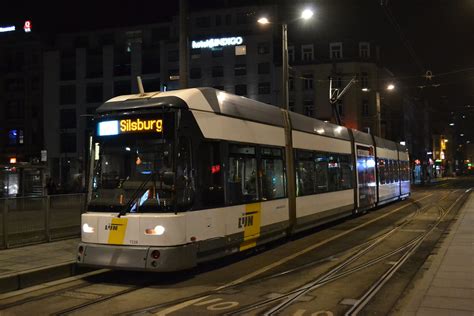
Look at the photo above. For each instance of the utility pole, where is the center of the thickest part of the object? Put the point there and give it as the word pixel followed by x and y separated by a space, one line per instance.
pixel 183 44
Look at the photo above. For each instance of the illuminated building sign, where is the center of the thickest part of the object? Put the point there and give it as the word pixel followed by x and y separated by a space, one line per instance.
pixel 27 26
pixel 4 29
pixel 12 28
pixel 116 127
pixel 217 42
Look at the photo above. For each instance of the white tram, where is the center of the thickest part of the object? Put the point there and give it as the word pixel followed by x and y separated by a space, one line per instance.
pixel 186 176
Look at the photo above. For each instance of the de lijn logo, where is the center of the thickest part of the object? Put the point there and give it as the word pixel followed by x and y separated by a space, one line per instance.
pixel 246 219
pixel 112 226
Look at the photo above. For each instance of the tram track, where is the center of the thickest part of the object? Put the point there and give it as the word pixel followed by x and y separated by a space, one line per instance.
pixel 330 276
pixel 338 273
pixel 368 244
pixel 406 250
pixel 80 290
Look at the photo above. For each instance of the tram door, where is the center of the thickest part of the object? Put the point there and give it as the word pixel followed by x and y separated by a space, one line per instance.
pixel 366 186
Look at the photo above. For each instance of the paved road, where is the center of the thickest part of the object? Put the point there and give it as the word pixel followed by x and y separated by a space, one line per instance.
pixel 360 265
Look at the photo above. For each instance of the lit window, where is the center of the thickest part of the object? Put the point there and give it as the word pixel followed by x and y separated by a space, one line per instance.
pixel 240 50
pixel 15 137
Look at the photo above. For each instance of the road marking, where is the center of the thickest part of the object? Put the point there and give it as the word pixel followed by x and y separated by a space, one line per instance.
pixel 297 254
pixel 180 306
pixel 214 300
pixel 222 306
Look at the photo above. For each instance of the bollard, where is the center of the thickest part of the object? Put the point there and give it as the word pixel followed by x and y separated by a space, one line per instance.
pixel 46 218
pixel 5 224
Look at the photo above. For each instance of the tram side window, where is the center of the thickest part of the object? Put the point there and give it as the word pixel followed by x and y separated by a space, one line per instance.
pixel 305 173
pixel 389 171
pixel 401 165
pixel 242 175
pixel 345 162
pixel 381 165
pixel 395 171
pixel 334 174
pixel 273 175
pixel 211 175
pixel 406 171
pixel 321 173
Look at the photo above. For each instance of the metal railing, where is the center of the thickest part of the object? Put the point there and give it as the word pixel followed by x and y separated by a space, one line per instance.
pixel 30 220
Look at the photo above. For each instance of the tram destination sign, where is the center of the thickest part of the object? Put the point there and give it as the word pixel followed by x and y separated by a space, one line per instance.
pixel 127 126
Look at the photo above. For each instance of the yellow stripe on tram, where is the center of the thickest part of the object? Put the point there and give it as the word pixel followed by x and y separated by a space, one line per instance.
pixel 117 231
pixel 250 221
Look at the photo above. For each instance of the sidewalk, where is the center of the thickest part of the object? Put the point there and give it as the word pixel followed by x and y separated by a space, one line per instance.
pixel 433 181
pixel 447 287
pixel 30 265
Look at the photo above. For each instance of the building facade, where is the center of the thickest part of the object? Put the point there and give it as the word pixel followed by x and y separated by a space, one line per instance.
pixel 228 50
pixel 21 123
pixel 21 74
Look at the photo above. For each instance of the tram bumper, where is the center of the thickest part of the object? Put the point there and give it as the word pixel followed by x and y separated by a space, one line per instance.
pixel 159 259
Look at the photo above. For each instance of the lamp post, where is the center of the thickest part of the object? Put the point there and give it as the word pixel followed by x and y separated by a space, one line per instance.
pixel 284 66
pixel 305 15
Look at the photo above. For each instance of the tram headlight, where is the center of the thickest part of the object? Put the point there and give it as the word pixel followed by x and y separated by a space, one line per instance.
pixel 87 229
pixel 158 230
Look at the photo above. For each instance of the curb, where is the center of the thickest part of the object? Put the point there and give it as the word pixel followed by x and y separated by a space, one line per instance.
pixel 24 279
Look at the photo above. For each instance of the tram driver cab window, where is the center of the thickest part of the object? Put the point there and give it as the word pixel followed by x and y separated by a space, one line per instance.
pixel 184 175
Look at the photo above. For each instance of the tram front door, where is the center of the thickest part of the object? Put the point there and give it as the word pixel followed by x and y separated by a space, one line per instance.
pixel 366 186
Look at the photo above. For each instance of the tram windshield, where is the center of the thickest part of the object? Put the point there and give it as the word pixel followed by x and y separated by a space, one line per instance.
pixel 136 172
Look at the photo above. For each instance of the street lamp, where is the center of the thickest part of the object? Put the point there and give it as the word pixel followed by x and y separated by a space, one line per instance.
pixel 305 15
pixel 390 87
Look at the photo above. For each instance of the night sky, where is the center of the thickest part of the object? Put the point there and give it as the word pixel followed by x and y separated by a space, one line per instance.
pixel 439 33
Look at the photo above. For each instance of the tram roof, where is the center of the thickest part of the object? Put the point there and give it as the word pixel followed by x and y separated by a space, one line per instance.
pixel 385 143
pixel 202 99
pixel 224 103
